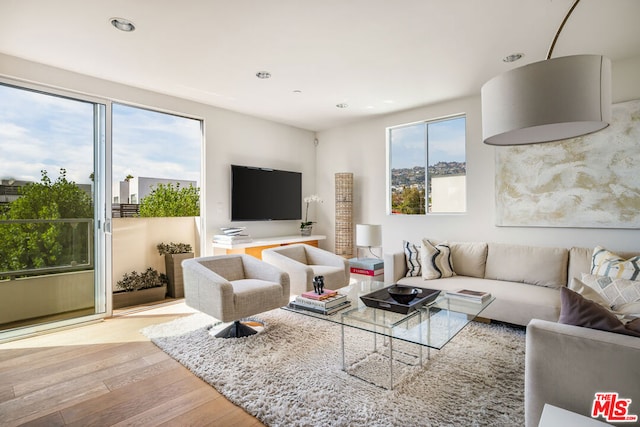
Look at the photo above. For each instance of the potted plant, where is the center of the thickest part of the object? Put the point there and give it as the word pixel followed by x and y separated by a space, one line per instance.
pixel 306 226
pixel 140 288
pixel 174 254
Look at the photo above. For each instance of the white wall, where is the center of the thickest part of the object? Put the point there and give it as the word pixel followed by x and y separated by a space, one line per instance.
pixel 360 148
pixel 231 138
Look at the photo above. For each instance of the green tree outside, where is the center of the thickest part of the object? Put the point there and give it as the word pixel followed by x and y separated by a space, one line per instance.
pixel 169 200
pixel 31 245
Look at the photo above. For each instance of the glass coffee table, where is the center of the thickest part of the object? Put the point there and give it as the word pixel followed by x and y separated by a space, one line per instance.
pixel 431 326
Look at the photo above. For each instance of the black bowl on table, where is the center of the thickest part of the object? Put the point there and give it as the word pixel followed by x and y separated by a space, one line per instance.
pixel 403 294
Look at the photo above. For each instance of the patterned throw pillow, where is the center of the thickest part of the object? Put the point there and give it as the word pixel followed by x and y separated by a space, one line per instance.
pixel 615 291
pixel 412 257
pixel 605 263
pixel 436 260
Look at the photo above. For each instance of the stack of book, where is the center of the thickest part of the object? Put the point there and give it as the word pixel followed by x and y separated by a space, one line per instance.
pixel 232 235
pixel 469 295
pixel 367 266
pixel 327 303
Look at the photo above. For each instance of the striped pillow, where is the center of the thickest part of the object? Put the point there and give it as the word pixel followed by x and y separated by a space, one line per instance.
pixel 436 260
pixel 412 257
pixel 605 263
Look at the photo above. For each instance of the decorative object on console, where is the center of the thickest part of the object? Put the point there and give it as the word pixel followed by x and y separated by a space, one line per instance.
pixel 547 101
pixel 344 214
pixel 587 182
pixel 369 236
pixel 306 226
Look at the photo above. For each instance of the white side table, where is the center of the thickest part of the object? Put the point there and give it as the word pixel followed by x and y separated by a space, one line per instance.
pixel 552 416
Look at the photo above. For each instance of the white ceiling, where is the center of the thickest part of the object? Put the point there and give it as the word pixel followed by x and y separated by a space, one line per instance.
pixel 378 56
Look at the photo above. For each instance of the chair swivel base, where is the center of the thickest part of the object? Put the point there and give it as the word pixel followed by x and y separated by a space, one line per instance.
pixel 236 330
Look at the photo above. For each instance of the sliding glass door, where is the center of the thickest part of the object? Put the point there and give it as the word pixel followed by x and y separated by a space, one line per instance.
pixel 54 247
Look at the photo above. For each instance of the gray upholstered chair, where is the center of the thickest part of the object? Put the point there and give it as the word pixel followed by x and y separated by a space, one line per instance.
pixel 304 262
pixel 233 287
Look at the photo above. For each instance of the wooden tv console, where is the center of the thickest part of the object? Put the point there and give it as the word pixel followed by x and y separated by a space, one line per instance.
pixel 256 247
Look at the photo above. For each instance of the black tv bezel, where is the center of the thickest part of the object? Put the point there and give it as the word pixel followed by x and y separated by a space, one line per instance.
pixel 296 217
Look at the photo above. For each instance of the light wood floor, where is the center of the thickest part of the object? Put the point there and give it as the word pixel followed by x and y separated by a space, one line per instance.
pixel 107 374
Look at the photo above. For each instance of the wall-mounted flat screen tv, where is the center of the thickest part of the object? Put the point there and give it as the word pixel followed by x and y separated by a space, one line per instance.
pixel 261 194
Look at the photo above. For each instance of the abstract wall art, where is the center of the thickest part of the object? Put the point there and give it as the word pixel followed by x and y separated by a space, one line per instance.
pixel 591 181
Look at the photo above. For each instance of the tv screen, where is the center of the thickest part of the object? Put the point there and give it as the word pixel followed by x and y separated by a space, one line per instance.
pixel 260 194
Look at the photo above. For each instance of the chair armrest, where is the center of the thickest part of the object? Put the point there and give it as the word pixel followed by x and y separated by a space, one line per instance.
pixel 256 269
pixel 204 289
pixel 395 266
pixel 566 365
pixel 317 256
pixel 300 275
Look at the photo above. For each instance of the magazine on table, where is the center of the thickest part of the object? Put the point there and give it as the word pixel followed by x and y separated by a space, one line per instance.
pixel 469 295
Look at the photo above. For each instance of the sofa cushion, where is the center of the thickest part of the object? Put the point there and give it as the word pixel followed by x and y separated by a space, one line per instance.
pixel 588 292
pixel 412 257
pixel 469 258
pixel 542 266
pixel 435 260
pixel 606 263
pixel 579 311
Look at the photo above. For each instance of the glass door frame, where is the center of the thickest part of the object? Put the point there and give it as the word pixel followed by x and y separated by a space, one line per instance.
pixel 102 209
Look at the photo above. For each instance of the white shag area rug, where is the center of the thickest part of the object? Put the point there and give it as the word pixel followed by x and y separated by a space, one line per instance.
pixel 290 374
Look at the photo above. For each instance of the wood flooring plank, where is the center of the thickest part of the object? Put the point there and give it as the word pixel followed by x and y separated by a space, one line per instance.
pixel 135 402
pixel 103 374
pixel 159 414
pixel 125 395
pixel 102 365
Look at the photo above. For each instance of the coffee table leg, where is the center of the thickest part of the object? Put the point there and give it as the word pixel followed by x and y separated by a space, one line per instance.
pixel 391 363
pixel 344 366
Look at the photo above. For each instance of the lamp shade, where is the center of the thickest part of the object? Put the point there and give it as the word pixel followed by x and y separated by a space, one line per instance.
pixel 547 101
pixel 369 235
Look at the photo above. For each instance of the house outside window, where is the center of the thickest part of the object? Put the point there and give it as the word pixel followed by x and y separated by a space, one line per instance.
pixel 427 167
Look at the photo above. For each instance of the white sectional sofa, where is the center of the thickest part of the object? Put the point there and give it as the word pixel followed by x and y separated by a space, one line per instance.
pixel 524 279
pixel 526 282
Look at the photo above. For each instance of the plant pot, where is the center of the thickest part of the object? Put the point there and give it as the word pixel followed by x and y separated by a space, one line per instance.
pixel 306 231
pixel 143 296
pixel 173 268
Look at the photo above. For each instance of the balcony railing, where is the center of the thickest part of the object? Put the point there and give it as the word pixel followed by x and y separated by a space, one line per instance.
pixel 72 237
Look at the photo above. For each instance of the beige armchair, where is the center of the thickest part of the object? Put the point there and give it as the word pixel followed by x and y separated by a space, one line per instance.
pixel 232 287
pixel 304 262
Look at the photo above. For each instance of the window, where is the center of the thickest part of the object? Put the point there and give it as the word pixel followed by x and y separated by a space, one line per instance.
pixel 427 167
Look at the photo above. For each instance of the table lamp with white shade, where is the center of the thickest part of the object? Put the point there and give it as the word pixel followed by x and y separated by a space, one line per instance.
pixel 369 236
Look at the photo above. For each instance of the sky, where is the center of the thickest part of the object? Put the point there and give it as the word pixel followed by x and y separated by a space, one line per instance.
pixel 446 143
pixel 39 131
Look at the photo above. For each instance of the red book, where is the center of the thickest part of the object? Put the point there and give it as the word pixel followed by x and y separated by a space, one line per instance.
pixel 327 293
pixel 356 270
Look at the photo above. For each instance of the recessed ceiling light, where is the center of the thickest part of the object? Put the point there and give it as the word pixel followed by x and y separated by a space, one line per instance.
pixel 263 75
pixel 513 57
pixel 123 24
pixel 297 91
pixel 342 105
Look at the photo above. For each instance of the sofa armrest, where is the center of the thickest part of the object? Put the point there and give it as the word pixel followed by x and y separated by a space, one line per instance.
pixel 566 365
pixel 395 266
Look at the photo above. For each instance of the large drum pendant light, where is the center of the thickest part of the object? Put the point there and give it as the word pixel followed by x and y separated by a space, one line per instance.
pixel 547 101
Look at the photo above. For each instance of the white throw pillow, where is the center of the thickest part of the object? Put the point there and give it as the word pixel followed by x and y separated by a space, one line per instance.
pixel 412 258
pixel 436 260
pixel 605 263
pixel 615 291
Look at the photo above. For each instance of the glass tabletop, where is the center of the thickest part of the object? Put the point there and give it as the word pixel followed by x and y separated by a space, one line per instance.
pixel 433 325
